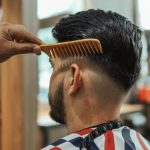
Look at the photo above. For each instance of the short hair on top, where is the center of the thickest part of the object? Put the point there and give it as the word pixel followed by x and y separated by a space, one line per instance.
pixel 120 40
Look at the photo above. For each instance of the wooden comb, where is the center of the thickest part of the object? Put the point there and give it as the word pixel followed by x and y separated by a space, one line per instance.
pixel 72 48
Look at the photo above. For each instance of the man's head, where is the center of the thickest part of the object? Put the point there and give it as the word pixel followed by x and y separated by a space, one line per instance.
pixel 114 71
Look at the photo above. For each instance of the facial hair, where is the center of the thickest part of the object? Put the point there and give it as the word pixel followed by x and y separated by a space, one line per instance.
pixel 57 112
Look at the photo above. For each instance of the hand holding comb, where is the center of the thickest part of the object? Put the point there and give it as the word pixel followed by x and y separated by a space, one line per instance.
pixel 72 48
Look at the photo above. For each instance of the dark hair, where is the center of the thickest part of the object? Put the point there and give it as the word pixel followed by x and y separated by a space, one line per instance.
pixel 120 39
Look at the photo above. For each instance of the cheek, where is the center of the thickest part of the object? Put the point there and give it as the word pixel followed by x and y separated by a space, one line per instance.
pixel 54 82
pixel 52 90
pixel 52 87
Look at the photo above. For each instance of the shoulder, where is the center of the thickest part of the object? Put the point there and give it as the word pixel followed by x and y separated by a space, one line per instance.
pixel 117 139
pixel 122 138
pixel 70 142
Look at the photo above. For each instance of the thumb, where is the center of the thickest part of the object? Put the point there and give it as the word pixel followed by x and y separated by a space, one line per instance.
pixel 23 48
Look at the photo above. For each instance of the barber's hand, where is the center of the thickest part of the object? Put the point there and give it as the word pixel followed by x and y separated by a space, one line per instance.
pixel 15 39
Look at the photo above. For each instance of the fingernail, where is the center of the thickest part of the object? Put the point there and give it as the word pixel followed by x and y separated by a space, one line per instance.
pixel 37 50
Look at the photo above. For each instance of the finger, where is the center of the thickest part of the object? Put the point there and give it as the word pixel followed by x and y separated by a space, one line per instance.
pixel 23 48
pixel 37 50
pixel 20 33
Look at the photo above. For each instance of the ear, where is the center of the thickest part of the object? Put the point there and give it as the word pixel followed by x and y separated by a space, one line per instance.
pixel 75 80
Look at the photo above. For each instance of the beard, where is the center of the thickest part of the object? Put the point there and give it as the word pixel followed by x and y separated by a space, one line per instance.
pixel 56 102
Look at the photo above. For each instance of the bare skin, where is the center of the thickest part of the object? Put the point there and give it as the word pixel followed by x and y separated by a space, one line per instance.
pixel 15 39
pixel 86 102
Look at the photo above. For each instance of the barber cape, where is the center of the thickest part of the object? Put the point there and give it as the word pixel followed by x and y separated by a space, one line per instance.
pixel 122 138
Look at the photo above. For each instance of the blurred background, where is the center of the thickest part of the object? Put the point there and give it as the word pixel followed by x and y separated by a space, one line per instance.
pixel 24 80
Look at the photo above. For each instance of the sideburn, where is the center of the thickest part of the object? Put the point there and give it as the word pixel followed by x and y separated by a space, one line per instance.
pixel 57 105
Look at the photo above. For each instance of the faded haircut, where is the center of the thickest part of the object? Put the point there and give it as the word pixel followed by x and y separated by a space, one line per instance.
pixel 120 40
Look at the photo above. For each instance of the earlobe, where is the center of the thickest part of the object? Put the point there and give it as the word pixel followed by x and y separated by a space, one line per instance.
pixel 75 81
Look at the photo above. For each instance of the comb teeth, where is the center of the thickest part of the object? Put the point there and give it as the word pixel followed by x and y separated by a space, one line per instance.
pixel 73 48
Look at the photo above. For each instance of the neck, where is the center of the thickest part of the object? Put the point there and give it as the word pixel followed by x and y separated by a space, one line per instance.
pixel 85 114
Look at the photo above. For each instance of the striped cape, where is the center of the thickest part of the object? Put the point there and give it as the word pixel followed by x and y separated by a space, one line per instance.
pixel 122 138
